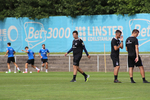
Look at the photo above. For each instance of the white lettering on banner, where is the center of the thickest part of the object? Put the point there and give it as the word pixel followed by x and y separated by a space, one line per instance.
pixel 9 31
pixel 31 30
pixel 101 33
pixel 3 36
pixel 50 33
pixel 67 29
pixel 55 36
pixel 61 29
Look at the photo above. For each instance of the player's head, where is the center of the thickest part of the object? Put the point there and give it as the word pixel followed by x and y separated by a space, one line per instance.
pixel 43 46
pixel 26 48
pixel 8 44
pixel 118 33
pixel 75 34
pixel 135 32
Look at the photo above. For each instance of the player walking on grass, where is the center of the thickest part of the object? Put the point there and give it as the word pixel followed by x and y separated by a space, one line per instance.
pixel 10 51
pixel 77 48
pixel 44 53
pixel 133 55
pixel 31 56
pixel 115 46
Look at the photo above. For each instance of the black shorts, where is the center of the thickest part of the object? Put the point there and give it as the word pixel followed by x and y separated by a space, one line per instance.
pixel 31 61
pixel 10 59
pixel 131 61
pixel 115 61
pixel 76 60
pixel 44 60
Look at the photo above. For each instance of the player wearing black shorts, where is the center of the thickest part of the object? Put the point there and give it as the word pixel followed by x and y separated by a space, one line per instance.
pixel 115 46
pixel 31 56
pixel 133 55
pixel 10 51
pixel 77 48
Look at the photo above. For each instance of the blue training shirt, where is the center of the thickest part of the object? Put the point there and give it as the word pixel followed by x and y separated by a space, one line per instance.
pixel 44 53
pixel 10 51
pixel 30 54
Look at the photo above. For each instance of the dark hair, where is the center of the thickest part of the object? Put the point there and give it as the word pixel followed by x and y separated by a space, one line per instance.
pixel 26 47
pixel 118 31
pixel 9 43
pixel 135 31
pixel 43 44
pixel 75 32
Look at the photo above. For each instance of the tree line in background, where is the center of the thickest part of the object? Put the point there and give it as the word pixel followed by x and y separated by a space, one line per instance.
pixel 45 8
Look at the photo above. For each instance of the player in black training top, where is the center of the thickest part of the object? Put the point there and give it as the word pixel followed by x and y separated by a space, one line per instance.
pixel 77 48
pixel 115 46
pixel 133 55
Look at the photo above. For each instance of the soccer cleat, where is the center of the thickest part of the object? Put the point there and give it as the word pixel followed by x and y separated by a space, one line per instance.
pixel 46 71
pixel 133 82
pixel 73 80
pixel 19 71
pixel 25 72
pixel 87 78
pixel 38 70
pixel 146 81
pixel 117 81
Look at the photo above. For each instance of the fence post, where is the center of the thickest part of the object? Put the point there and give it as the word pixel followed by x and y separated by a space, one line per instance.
pixel 69 63
pixel 97 63
pixel 14 65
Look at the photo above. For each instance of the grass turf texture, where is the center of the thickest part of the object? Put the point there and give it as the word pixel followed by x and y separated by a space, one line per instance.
pixel 56 86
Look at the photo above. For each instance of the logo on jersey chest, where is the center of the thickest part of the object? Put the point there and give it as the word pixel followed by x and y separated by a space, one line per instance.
pixel 128 42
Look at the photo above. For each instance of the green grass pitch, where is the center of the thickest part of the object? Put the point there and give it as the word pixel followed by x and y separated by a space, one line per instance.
pixel 56 86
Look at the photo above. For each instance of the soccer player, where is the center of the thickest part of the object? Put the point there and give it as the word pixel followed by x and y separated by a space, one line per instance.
pixel 133 55
pixel 31 56
pixel 77 48
pixel 43 53
pixel 115 46
pixel 10 51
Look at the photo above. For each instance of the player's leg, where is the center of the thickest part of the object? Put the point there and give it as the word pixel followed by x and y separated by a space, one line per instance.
pixel 74 73
pixel 116 70
pixel 9 70
pixel 46 67
pixel 43 64
pixel 32 64
pixel 17 67
pixel 83 73
pixel 26 67
pixel 131 74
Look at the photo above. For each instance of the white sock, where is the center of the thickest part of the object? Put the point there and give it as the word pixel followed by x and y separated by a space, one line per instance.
pixel 18 68
pixel 46 70
pixel 9 70
pixel 36 68
pixel 26 70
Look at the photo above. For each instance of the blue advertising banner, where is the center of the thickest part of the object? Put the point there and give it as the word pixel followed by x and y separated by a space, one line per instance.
pixel 56 32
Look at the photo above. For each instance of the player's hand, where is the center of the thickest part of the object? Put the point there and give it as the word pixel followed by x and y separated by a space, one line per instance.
pixel 22 50
pixel 89 56
pixel 136 59
pixel 66 54
pixel 5 55
pixel 121 38
pixel 41 56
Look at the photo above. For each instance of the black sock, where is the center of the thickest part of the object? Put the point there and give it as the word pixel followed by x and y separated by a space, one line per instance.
pixel 74 77
pixel 84 74
pixel 144 79
pixel 131 79
pixel 115 76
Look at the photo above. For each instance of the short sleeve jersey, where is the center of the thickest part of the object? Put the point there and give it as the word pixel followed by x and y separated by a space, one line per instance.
pixel 130 44
pixel 44 53
pixel 115 42
pixel 77 47
pixel 30 54
pixel 10 51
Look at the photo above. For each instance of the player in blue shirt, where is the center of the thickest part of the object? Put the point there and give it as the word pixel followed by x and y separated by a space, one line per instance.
pixel 10 51
pixel 44 53
pixel 30 60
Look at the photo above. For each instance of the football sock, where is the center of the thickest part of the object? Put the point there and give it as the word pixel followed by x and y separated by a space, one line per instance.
pixel 9 70
pixel 84 74
pixel 131 78
pixel 115 76
pixel 46 70
pixel 36 68
pixel 144 79
pixel 26 70
pixel 74 77
pixel 18 68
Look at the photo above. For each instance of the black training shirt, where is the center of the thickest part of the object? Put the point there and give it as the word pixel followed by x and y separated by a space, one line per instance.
pixel 130 44
pixel 115 42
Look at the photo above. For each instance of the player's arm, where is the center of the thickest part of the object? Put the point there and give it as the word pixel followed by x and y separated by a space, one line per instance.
pixel 69 51
pixel 121 44
pixel 48 53
pixel 137 53
pixel 6 53
pixel 14 52
pixel 40 53
pixel 25 51
pixel 126 49
pixel 85 50
pixel 34 55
